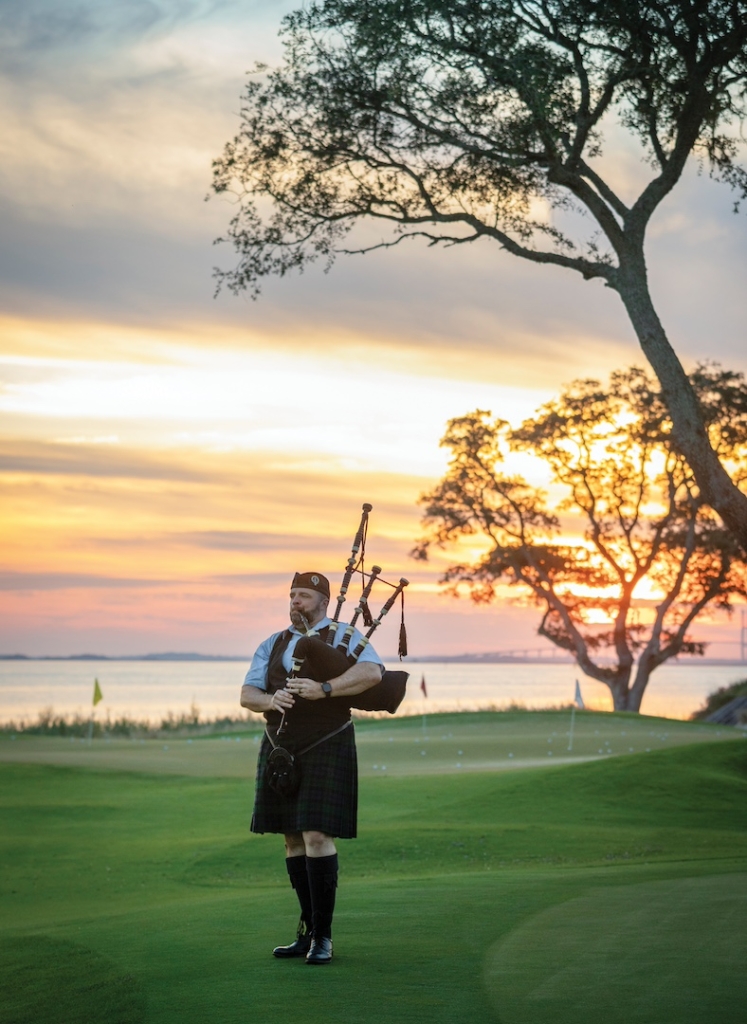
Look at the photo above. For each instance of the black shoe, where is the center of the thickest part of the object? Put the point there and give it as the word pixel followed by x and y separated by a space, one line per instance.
pixel 300 947
pixel 320 952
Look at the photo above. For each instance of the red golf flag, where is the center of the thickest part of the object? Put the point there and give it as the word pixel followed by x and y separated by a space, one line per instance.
pixel 422 686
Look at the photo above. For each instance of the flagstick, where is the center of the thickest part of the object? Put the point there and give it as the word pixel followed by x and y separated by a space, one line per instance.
pixel 425 697
pixel 573 719
pixel 97 696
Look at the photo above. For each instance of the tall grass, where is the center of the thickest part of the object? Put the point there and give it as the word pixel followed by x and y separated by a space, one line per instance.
pixel 186 723
pixel 189 723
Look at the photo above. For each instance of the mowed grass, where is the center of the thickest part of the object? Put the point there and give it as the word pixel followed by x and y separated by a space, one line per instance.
pixel 432 744
pixel 600 891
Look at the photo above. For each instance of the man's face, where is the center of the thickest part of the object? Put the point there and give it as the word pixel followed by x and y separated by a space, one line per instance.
pixel 307 603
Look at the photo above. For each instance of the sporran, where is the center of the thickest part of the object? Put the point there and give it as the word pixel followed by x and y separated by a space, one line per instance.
pixel 283 772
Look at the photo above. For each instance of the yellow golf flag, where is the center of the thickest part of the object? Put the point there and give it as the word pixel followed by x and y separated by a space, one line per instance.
pixel 97 694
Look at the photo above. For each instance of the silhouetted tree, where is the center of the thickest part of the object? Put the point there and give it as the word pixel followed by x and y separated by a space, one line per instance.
pixel 653 554
pixel 455 120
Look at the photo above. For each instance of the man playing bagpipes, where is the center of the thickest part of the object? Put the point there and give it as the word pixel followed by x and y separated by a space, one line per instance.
pixel 305 680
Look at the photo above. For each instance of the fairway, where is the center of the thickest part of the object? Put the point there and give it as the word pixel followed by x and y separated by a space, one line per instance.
pixel 451 743
pixel 609 889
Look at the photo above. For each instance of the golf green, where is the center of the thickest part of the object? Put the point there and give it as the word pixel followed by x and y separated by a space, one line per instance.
pixel 656 951
pixel 576 892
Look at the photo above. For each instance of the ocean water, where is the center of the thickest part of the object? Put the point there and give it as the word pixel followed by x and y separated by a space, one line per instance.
pixel 150 690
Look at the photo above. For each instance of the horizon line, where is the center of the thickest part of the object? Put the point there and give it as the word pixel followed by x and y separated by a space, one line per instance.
pixel 486 657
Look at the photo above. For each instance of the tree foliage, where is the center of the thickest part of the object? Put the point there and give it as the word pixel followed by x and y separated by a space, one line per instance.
pixel 456 120
pixel 720 698
pixel 653 557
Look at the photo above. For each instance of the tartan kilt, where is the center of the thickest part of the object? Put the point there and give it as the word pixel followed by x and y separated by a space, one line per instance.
pixel 327 799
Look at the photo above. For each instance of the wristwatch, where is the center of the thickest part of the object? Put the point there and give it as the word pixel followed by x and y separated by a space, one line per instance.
pixel 327 689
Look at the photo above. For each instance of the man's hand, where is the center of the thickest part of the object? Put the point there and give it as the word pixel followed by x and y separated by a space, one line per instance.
pixel 281 701
pixel 309 689
pixel 260 700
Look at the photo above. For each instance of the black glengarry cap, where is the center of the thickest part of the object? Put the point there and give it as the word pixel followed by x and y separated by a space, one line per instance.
pixel 311 581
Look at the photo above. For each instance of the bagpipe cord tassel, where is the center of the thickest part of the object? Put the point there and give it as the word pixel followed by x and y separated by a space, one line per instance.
pixel 402 652
pixel 367 616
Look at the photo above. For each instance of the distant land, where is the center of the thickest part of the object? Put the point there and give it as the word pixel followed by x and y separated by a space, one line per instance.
pixel 482 658
pixel 166 656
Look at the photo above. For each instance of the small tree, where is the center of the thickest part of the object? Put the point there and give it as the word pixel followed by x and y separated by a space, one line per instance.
pixel 458 120
pixel 646 524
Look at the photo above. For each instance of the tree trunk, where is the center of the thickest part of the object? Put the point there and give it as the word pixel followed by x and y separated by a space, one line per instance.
pixel 689 432
pixel 624 699
pixel 620 696
pixel 637 690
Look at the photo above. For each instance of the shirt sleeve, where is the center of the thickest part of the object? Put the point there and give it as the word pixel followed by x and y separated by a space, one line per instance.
pixel 257 674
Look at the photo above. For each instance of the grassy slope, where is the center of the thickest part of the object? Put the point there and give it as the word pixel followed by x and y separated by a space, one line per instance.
pixel 147 887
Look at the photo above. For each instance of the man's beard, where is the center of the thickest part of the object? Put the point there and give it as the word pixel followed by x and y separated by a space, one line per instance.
pixel 299 620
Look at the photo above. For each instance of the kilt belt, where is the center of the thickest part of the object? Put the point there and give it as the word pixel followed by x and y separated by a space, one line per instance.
pixel 316 743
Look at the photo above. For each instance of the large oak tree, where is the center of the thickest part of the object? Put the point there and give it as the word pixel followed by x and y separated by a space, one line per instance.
pixel 653 555
pixel 455 120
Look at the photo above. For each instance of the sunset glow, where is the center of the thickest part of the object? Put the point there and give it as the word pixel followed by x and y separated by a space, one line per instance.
pixel 169 458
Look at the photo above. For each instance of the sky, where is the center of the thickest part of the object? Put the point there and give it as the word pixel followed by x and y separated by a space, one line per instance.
pixel 168 458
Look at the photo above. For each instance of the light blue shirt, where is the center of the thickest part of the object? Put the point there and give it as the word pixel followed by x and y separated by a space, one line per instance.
pixel 257 674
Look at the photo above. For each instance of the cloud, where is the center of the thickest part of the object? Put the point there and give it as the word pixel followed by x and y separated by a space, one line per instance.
pixel 112 114
pixel 469 314
pixel 20 581
pixel 332 548
pixel 152 431
pixel 86 460
pixel 48 33
pixel 248 540
pixel 519 323
pixel 123 103
pixel 193 515
pixel 298 411
pixel 39 26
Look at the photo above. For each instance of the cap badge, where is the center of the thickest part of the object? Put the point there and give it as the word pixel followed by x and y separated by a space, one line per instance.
pixel 315 580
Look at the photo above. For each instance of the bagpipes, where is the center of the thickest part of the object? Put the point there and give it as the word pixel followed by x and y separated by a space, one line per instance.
pixel 317 658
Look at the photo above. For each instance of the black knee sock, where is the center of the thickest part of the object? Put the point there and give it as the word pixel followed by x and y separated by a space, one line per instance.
pixel 322 884
pixel 299 879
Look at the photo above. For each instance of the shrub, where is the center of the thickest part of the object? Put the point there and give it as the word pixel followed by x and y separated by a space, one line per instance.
pixel 719 698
